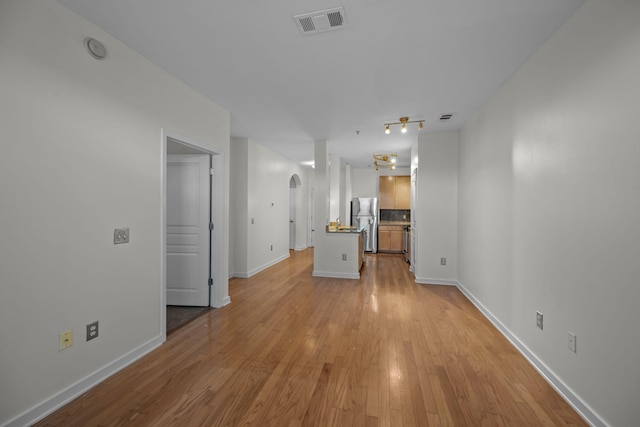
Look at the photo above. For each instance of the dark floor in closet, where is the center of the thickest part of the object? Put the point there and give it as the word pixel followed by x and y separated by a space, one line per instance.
pixel 178 316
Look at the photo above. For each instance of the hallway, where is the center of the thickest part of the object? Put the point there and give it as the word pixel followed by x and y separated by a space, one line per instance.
pixel 293 350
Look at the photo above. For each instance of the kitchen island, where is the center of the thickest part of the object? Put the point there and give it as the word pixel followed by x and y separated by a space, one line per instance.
pixel 343 253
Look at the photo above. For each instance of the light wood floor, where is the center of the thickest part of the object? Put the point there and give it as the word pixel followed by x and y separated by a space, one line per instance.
pixel 293 350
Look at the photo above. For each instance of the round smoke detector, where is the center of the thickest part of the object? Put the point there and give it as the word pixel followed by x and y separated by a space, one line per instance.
pixel 95 48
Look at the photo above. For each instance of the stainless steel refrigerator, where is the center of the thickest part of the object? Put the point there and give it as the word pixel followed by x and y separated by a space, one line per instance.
pixel 364 213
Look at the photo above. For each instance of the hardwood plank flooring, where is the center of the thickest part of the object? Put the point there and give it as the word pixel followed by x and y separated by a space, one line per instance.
pixel 294 350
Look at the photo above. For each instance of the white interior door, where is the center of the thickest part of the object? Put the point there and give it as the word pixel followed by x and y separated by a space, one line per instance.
pixel 312 227
pixel 188 233
pixel 292 217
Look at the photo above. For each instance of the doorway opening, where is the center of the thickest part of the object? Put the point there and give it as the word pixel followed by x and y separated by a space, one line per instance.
pixel 192 245
pixel 294 183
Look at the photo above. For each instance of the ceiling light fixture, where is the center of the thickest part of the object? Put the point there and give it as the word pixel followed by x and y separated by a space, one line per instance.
pixel 385 160
pixel 403 121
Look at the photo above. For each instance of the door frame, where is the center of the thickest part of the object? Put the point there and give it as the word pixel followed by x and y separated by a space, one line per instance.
pixel 217 199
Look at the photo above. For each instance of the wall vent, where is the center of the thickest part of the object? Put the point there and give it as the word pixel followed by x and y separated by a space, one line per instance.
pixel 321 21
pixel 445 117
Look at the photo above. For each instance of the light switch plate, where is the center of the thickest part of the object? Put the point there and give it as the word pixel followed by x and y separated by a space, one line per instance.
pixel 120 235
pixel 571 342
pixel 539 320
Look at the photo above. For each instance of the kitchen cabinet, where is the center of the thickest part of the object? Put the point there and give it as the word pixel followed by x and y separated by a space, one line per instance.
pixel 387 192
pixel 395 192
pixel 390 238
pixel 403 192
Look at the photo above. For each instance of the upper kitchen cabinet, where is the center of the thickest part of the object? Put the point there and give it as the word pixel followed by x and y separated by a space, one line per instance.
pixel 387 192
pixel 403 192
pixel 395 192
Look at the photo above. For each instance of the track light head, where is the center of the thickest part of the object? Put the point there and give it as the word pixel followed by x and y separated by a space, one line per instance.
pixel 403 121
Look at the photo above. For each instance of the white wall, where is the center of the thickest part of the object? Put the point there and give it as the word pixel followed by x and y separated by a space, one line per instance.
pixel 437 209
pixel 239 222
pixel 81 155
pixel 335 187
pixel 549 206
pixel 365 182
pixel 348 195
pixel 261 180
pixel 310 194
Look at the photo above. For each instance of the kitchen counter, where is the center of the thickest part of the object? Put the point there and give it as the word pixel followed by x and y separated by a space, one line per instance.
pixel 344 229
pixel 398 223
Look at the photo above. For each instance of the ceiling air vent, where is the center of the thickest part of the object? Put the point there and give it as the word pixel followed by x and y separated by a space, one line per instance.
pixel 321 21
pixel 445 117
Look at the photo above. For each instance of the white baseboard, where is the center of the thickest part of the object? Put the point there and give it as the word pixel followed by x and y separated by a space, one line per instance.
pixel 247 274
pixel 41 410
pixel 300 248
pixel 336 275
pixel 225 301
pixel 567 394
pixel 431 281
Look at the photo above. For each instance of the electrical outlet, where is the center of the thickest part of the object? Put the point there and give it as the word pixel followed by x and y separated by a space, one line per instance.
pixel 539 319
pixel 120 235
pixel 443 261
pixel 253 221
pixel 92 330
pixel 272 247
pixel 66 340
pixel 571 342
pixel 344 257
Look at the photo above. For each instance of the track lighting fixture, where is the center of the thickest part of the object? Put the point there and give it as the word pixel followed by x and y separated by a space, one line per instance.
pixel 403 121
pixel 385 160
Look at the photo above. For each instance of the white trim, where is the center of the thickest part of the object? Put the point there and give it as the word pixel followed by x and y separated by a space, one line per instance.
pixel 48 406
pixel 588 414
pixel 430 281
pixel 218 201
pixel 225 301
pixel 163 235
pixel 189 142
pixel 300 248
pixel 336 275
pixel 246 275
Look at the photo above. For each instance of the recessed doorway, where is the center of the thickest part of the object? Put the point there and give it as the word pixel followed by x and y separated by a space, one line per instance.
pixel 192 225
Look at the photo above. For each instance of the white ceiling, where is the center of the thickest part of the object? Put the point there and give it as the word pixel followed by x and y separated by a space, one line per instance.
pixel 416 58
